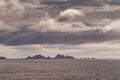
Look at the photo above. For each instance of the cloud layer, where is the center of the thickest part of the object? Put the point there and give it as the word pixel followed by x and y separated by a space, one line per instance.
pixel 24 22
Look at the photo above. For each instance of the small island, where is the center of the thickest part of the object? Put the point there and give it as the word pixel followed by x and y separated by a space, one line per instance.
pixel 36 57
pixel 3 58
pixel 58 56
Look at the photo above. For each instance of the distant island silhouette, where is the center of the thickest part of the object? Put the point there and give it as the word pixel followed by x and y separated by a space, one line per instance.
pixel 2 57
pixel 58 56
pixel 63 57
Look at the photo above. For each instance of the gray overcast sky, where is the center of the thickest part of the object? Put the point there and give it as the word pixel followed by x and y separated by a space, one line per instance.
pixel 89 28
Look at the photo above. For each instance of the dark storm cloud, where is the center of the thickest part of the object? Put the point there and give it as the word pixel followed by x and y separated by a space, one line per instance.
pixel 33 37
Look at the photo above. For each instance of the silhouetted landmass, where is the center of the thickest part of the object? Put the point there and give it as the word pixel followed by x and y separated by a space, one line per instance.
pixel 59 56
pixel 49 57
pixel 88 58
pixel 2 57
pixel 63 57
pixel 36 57
pixel 56 57
pixel 93 58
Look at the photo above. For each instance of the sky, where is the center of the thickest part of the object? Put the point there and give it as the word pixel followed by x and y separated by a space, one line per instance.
pixel 80 28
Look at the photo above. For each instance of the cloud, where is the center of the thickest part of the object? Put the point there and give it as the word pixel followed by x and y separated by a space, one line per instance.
pixel 79 29
pixel 6 27
pixel 60 24
pixel 11 8
pixel 16 5
pixel 64 28
pixel 73 38
pixel 51 31
pixel 113 26
pixel 12 4
pixel 2 3
pixel 56 26
pixel 70 14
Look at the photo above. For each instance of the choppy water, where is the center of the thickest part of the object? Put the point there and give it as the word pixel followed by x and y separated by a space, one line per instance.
pixel 59 69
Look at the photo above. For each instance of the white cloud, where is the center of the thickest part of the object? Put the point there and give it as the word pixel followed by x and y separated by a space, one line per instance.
pixel 53 25
pixel 60 24
pixel 2 3
pixel 11 8
pixel 113 26
pixel 70 14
